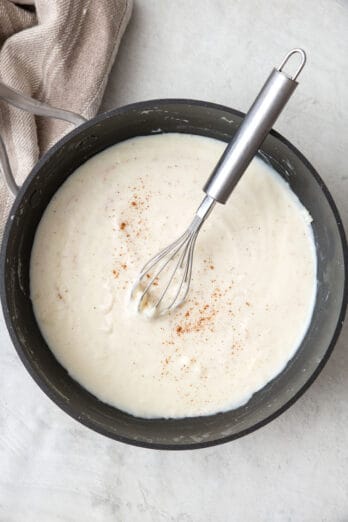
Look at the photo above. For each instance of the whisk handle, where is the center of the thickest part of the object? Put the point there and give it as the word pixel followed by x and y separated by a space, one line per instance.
pixel 256 125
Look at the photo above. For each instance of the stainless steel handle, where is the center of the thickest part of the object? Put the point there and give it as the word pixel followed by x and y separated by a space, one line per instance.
pixel 256 125
pixel 21 101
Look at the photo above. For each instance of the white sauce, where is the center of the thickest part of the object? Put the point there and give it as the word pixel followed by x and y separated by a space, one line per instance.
pixel 252 292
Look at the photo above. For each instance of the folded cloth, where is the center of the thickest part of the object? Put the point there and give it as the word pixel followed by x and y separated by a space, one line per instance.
pixel 59 52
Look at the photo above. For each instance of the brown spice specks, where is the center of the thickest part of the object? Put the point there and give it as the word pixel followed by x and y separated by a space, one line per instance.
pixel 199 320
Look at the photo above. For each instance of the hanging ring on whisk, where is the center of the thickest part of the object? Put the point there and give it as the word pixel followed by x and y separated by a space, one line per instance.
pixel 299 68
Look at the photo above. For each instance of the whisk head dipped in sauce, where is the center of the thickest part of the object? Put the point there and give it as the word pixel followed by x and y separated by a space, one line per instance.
pixel 164 281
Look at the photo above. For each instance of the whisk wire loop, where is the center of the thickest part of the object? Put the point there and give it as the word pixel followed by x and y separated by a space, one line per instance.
pixel 180 253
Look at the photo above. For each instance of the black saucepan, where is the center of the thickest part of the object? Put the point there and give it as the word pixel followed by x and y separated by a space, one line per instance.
pixel 52 170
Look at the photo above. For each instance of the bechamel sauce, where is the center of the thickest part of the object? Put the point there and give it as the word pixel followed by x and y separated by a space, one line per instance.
pixel 252 291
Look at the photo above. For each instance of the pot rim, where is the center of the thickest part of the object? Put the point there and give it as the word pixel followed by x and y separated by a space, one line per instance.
pixel 54 396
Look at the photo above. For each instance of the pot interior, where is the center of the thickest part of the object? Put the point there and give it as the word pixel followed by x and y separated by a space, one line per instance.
pixel 73 150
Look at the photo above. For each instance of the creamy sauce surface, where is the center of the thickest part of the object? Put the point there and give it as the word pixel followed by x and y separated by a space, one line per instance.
pixel 252 292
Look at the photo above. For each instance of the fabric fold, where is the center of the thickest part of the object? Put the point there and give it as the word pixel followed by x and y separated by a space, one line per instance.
pixel 59 52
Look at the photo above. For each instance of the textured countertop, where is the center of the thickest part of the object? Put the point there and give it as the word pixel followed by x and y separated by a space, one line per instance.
pixel 294 469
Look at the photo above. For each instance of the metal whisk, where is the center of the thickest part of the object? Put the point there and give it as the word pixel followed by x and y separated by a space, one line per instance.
pixel 155 297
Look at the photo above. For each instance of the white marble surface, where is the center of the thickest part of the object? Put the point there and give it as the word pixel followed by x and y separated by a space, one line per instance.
pixel 296 468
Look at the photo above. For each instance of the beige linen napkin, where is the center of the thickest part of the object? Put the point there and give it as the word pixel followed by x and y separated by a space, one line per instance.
pixel 59 52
